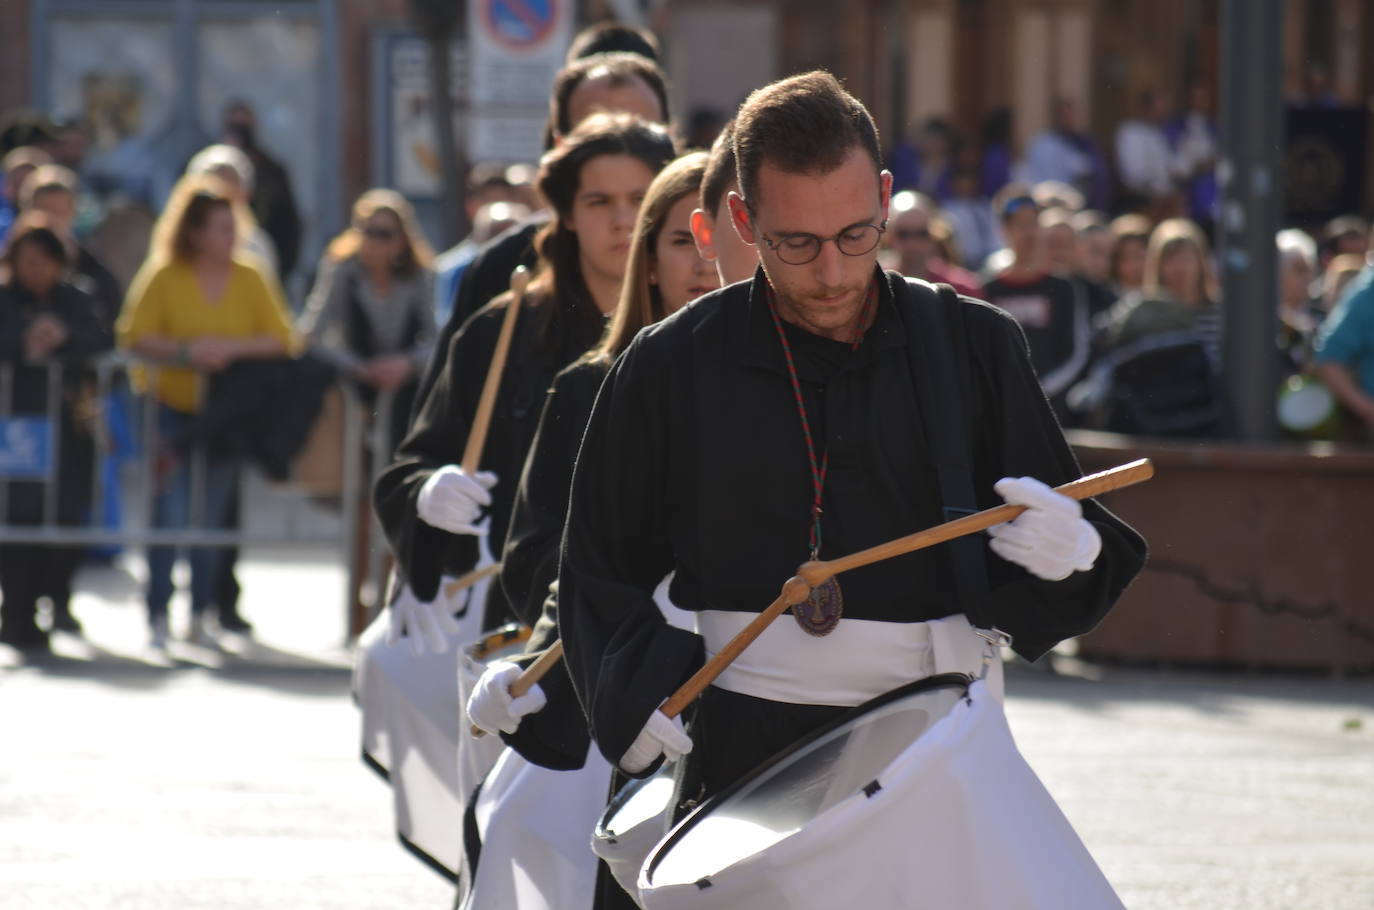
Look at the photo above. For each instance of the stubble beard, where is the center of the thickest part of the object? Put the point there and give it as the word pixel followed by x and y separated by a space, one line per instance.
pixel 827 320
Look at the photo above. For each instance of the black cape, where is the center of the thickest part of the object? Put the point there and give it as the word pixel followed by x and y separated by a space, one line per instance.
pixel 694 462
pixel 556 736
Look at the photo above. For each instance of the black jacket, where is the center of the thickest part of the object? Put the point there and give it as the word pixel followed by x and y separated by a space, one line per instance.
pixel 694 462
pixel 556 736
pixel 86 338
pixel 262 410
pixel 548 336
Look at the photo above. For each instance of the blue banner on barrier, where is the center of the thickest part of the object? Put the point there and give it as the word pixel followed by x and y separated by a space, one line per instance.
pixel 26 448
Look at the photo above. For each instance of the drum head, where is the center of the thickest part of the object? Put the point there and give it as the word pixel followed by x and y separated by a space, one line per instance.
pixel 638 803
pixel 632 824
pixel 781 797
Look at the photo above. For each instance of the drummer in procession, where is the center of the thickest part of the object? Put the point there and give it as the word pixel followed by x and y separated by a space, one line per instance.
pixel 664 273
pixel 530 558
pixel 546 725
pixel 800 416
pixel 429 506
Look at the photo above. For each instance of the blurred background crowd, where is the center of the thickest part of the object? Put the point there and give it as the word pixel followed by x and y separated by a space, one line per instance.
pixel 1062 160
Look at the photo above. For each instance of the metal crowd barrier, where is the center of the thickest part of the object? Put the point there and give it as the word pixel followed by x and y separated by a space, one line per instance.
pixel 31 452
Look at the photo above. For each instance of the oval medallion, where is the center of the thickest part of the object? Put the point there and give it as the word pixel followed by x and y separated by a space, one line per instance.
pixel 820 613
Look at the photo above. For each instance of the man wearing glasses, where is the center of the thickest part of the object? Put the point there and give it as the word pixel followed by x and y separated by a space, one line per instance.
pixel 824 407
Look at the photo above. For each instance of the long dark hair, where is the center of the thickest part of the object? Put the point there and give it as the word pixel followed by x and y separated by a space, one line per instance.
pixel 560 176
pixel 641 303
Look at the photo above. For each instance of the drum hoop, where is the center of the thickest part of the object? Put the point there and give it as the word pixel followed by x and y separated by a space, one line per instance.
pixel 926 684
pixel 498 638
pixel 622 796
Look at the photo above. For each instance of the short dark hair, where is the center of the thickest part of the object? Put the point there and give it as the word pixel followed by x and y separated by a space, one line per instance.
pixel 37 232
pixel 720 172
pixel 620 68
pixel 610 37
pixel 601 134
pixel 806 124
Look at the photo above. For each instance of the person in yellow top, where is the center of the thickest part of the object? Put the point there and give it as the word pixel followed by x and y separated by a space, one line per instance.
pixel 197 306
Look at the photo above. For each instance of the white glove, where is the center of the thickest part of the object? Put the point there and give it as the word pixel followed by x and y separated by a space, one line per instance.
pixel 428 626
pixel 1051 539
pixel 660 736
pixel 491 707
pixel 452 499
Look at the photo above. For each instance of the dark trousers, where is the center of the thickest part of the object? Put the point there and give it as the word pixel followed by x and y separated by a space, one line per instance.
pixel 27 573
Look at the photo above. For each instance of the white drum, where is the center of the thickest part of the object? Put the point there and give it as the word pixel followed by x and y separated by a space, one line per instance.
pixel 636 820
pixel 917 799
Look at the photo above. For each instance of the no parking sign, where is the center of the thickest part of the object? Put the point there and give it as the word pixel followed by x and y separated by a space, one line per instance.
pixel 521 25
pixel 517 48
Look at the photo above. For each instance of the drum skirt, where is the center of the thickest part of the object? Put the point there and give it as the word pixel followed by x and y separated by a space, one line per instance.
pixel 957 820
pixel 414 726
pixel 533 824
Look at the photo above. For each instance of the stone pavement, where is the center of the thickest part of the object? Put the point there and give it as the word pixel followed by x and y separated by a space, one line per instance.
pixel 230 778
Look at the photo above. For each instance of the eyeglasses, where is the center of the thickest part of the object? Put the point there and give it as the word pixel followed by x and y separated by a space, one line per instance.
pixel 799 249
pixel 913 233
pixel 376 233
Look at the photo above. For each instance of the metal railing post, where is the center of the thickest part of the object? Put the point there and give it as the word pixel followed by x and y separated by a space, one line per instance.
pixel 351 504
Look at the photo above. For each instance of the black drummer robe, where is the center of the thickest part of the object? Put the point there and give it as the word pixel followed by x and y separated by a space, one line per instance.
pixel 694 462
pixel 556 736
pixel 549 334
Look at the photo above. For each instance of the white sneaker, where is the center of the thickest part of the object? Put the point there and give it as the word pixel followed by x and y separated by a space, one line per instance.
pixel 157 633
pixel 203 631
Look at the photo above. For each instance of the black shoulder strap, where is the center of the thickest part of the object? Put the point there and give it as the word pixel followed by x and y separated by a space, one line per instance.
pixel 942 377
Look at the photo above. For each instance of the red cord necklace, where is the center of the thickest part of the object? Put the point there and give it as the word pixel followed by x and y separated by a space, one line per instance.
pixel 821 612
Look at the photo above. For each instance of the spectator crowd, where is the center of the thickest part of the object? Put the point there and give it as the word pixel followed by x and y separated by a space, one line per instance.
pixel 1104 256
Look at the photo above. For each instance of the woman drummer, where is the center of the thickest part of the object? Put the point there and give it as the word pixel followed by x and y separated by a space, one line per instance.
pixel 665 273
pixel 429 507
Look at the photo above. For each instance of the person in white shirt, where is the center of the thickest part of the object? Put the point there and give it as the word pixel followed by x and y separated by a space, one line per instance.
pixel 1145 163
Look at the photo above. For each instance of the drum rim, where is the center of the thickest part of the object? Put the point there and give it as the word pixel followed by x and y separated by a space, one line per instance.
pixel 679 831
pixel 489 642
pixel 622 796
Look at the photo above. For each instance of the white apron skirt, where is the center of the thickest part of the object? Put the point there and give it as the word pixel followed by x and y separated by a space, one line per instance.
pixel 413 724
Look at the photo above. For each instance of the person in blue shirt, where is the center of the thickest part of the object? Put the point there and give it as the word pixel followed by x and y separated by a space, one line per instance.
pixel 1344 353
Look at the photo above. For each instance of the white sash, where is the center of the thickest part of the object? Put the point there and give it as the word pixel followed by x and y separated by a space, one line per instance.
pixel 861 659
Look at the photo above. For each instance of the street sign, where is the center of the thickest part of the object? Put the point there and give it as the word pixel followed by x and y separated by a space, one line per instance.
pixel 25 448
pixel 521 25
pixel 516 49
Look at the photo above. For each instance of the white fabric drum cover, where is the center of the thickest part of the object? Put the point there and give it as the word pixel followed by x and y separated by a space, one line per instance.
pixel 533 824
pixel 413 721
pixel 634 822
pixel 956 819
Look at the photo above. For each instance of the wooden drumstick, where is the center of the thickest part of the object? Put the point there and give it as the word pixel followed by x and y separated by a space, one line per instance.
pixel 468 579
pixel 477 436
pixel 811 574
pixel 533 673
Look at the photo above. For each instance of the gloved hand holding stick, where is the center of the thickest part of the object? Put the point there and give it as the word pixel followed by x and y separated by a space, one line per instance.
pixel 798 588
